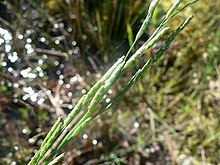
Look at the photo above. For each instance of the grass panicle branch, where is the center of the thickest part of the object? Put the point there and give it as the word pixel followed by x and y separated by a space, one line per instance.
pixel 144 25
pixel 146 22
pixel 88 103
pixel 94 89
pixel 173 8
pixel 153 59
pixel 145 47
pixel 57 159
pixel 74 112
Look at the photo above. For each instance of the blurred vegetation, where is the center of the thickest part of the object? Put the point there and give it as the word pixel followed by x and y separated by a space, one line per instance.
pixel 53 51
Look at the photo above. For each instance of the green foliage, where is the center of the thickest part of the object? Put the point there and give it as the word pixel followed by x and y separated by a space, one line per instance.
pixel 3 88
pixel 23 112
pixel 102 23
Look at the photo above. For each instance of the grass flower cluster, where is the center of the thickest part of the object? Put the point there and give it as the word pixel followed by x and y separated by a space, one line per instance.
pixel 64 131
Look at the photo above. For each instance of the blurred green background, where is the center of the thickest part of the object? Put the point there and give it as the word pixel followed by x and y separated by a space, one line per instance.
pixel 52 52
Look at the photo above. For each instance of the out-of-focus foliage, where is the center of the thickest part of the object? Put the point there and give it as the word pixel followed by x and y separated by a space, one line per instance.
pixel 184 90
pixel 99 26
pixel 51 52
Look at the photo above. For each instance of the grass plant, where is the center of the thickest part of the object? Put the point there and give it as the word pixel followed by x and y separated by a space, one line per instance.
pixel 89 104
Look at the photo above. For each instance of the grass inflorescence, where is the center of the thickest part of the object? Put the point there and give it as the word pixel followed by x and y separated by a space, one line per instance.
pixel 62 132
